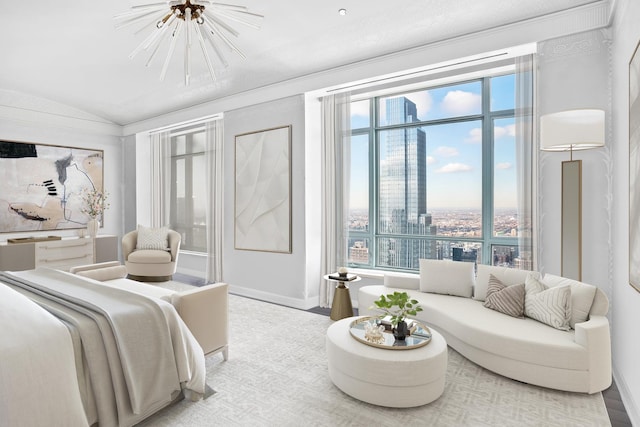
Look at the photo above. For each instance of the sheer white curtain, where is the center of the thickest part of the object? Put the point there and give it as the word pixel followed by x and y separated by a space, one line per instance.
pixel 527 160
pixel 214 184
pixel 336 161
pixel 160 178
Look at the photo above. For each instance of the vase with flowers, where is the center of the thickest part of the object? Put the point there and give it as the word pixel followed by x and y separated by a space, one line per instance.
pixel 95 203
pixel 398 305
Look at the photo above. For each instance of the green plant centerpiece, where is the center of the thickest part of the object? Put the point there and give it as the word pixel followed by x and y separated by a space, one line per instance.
pixel 398 305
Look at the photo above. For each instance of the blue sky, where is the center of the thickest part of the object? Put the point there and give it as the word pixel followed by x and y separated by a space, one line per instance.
pixel 454 151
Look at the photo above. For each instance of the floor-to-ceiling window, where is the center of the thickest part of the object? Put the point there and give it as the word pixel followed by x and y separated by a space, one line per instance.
pixel 188 190
pixel 434 175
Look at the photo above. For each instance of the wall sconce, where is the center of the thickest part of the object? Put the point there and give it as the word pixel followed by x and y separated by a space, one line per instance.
pixel 571 131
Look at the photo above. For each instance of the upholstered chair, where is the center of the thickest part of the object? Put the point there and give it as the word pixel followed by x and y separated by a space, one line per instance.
pixel 151 263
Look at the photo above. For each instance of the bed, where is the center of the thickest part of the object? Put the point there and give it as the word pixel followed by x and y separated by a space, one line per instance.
pixel 74 352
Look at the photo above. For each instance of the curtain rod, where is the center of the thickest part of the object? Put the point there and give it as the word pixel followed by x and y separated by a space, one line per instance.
pixel 187 123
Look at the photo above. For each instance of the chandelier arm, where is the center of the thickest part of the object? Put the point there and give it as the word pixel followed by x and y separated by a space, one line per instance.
pixel 215 30
pixel 155 50
pixel 172 46
pixel 217 21
pixel 187 47
pixel 214 44
pixel 135 14
pixel 128 22
pixel 238 19
pixel 225 5
pixel 203 46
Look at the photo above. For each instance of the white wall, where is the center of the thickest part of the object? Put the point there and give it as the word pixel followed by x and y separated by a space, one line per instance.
pixel 625 305
pixel 276 277
pixel 36 120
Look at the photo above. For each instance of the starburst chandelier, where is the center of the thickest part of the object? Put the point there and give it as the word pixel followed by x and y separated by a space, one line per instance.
pixel 201 21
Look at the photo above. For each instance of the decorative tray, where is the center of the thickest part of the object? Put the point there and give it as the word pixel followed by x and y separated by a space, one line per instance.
pixel 419 338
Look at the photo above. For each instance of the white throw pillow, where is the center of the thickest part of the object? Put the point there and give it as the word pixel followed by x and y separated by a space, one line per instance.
pixel 508 276
pixel 582 296
pixel 551 306
pixel 447 277
pixel 152 238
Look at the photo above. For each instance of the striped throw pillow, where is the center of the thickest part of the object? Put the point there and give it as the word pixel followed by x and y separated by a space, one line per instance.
pixel 548 305
pixel 505 299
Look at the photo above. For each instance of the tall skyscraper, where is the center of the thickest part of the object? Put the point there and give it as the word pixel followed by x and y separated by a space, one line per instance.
pixel 403 189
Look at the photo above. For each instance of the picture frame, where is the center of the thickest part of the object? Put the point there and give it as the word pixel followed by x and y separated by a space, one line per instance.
pixel 634 169
pixel 262 210
pixel 43 185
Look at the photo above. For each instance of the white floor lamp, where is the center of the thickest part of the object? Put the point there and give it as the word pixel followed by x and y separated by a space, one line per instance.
pixel 571 131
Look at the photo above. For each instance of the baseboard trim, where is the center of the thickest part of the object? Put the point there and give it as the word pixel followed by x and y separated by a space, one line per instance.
pixel 302 304
pixel 627 399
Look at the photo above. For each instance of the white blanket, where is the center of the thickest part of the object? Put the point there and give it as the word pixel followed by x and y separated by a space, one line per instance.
pixel 132 371
pixel 38 382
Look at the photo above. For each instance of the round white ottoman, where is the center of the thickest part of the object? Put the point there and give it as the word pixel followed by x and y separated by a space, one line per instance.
pixel 394 378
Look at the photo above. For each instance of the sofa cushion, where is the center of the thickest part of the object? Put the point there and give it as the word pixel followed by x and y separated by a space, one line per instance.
pixel 551 306
pixel 149 257
pixel 505 299
pixel 582 296
pixel 402 281
pixel 447 277
pixel 508 276
pixel 152 238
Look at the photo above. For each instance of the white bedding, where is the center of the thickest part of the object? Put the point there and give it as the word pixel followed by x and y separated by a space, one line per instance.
pixel 124 373
pixel 38 380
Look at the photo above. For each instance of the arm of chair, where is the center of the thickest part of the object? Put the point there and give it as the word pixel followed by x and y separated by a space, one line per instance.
pixel 205 311
pixel 129 243
pixel 173 238
pixel 594 335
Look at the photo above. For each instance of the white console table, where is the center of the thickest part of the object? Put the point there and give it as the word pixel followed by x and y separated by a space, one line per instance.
pixel 60 254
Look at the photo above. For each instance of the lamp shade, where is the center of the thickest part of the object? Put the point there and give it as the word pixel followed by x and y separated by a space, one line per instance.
pixel 572 130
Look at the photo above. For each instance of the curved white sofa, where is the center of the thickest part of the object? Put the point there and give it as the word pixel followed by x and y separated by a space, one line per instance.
pixel 523 349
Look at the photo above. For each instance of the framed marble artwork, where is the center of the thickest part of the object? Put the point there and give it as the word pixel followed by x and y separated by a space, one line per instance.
pixel 263 190
pixel 634 169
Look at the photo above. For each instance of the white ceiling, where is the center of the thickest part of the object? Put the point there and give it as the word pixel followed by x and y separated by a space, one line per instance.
pixel 71 53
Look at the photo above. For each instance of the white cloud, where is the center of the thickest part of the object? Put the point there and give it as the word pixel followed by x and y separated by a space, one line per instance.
pixel 454 167
pixel 423 102
pixel 431 160
pixel 500 131
pixel 504 165
pixel 445 151
pixel 459 102
pixel 475 136
pixel 360 108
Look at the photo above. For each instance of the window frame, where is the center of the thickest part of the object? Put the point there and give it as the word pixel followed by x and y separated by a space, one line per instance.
pixel 487 118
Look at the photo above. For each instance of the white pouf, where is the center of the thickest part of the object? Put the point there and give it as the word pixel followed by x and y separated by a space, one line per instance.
pixel 394 378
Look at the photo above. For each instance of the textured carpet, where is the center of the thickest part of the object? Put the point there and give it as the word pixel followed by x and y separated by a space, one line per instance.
pixel 276 375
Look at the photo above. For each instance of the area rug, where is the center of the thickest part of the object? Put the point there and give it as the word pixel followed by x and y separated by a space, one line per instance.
pixel 276 375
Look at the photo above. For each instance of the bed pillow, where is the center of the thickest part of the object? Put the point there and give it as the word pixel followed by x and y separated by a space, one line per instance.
pixel 447 277
pixel 582 296
pixel 152 238
pixel 505 299
pixel 551 306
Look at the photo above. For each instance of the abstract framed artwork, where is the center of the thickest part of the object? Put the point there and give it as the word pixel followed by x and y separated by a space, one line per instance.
pixel 634 169
pixel 263 190
pixel 42 185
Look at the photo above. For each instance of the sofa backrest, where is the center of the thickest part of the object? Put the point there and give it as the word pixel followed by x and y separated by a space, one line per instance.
pixel 508 276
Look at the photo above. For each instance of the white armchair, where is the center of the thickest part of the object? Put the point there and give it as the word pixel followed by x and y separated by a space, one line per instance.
pixel 150 264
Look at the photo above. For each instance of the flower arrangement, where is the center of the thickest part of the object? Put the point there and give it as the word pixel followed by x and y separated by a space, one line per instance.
pixel 95 202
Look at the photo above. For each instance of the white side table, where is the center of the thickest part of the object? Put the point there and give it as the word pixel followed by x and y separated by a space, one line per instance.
pixel 341 306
